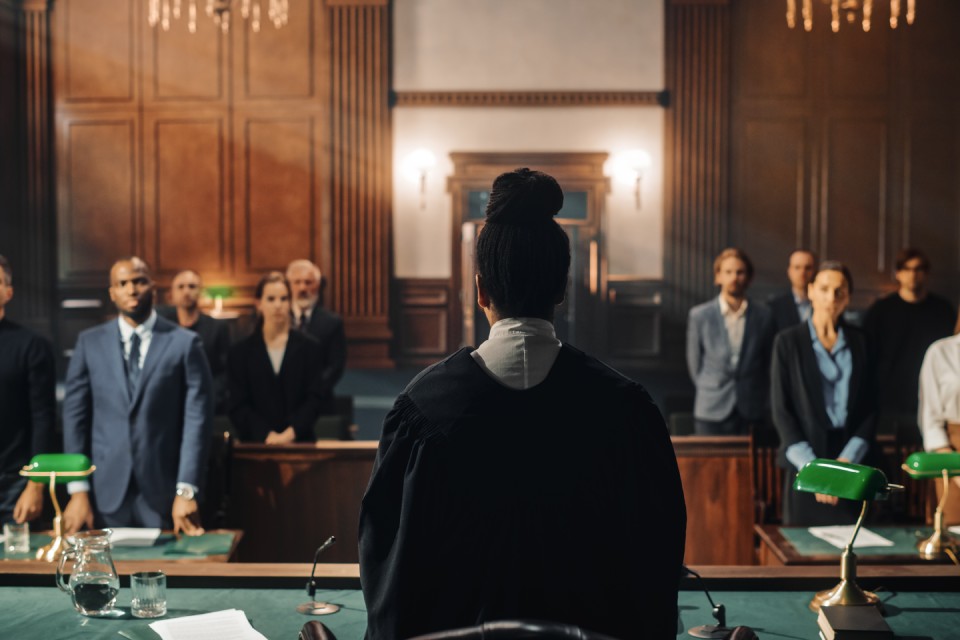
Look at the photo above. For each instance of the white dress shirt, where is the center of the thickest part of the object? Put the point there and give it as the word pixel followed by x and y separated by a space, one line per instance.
pixel 519 352
pixel 939 393
pixel 735 323
pixel 144 330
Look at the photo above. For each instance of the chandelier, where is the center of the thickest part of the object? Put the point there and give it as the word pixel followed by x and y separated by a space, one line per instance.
pixel 161 12
pixel 850 9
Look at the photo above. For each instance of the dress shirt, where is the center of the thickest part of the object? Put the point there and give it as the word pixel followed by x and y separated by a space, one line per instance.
pixel 804 308
pixel 735 322
pixel 276 358
pixel 836 369
pixel 939 392
pixel 519 352
pixel 145 331
pixel 301 317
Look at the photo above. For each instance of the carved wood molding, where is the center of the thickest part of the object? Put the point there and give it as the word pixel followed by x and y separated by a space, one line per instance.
pixel 698 77
pixel 530 98
pixel 361 176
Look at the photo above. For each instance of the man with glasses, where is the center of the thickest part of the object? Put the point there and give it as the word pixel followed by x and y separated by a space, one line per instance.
pixel 900 327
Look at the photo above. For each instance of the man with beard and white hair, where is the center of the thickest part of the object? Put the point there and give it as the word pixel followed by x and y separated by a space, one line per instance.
pixel 327 327
pixel 139 403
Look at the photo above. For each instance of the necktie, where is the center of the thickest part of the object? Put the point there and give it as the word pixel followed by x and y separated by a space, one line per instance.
pixel 133 364
pixel 303 322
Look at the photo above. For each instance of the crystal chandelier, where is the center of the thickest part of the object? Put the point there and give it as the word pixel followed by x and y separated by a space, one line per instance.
pixel 850 9
pixel 161 12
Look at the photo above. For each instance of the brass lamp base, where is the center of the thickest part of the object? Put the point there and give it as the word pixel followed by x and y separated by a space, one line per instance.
pixel 845 594
pixel 317 608
pixel 51 552
pixel 937 545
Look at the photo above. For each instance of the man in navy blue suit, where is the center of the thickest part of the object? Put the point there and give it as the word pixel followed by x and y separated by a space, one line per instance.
pixel 139 402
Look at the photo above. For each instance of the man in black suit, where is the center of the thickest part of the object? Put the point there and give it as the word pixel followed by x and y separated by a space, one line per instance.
pixel 793 307
pixel 327 327
pixel 27 399
pixel 185 291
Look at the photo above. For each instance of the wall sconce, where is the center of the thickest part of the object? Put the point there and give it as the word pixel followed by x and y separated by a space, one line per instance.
pixel 416 165
pixel 628 167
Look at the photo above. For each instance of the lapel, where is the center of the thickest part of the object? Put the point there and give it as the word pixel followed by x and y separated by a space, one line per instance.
pixel 162 336
pixel 112 346
pixel 812 382
pixel 721 329
pixel 748 333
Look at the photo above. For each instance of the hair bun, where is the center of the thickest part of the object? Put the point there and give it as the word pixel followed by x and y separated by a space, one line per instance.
pixel 524 197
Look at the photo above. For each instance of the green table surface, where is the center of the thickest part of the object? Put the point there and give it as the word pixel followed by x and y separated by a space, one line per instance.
pixel 165 548
pixel 904 540
pixel 46 614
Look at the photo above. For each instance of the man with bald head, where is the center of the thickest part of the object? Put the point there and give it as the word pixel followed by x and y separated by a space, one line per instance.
pixel 139 403
pixel 327 327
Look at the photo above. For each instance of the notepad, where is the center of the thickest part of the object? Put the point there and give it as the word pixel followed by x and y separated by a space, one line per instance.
pixel 133 537
pixel 839 536
pixel 230 624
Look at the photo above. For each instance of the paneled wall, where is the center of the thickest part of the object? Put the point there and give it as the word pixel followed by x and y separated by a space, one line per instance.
pixel 228 152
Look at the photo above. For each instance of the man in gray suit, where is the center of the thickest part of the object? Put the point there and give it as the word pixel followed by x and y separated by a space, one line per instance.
pixel 728 352
pixel 139 402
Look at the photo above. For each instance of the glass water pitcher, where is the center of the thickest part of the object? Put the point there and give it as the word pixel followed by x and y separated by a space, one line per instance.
pixel 94 583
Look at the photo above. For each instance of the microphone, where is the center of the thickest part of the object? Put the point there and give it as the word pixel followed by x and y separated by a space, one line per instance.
pixel 314 608
pixel 718 630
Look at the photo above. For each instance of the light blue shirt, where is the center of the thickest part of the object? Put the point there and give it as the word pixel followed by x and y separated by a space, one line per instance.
pixel 804 308
pixel 836 369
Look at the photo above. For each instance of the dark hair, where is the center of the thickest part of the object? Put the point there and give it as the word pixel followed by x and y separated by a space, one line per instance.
pixel 523 255
pixel 739 254
pixel 183 271
pixel 270 278
pixel 806 251
pixel 836 265
pixel 910 253
pixel 7 270
pixel 137 262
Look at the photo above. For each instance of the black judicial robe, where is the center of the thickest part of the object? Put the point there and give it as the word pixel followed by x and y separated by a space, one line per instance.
pixel 561 502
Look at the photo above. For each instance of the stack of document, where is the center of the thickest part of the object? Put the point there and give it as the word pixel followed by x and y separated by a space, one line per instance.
pixel 133 537
pixel 231 624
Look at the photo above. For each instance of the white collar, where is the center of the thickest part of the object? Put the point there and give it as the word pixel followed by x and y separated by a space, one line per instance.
pixel 520 352
pixel 144 329
pixel 726 310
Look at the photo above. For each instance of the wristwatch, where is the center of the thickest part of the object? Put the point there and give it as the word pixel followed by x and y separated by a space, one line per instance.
pixel 186 493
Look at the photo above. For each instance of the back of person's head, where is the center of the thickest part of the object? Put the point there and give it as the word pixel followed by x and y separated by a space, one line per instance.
pixel 523 255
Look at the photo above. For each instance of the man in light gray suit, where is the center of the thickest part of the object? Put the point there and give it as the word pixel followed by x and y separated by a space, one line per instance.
pixel 139 402
pixel 728 352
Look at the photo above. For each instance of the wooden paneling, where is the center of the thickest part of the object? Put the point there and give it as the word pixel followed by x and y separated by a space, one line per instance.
pixel 184 66
pixel 100 39
pixel 281 63
pixel 11 147
pixel 716 486
pixel 289 499
pixel 98 190
pixel 530 98
pixel 185 207
pixel 423 320
pixel 854 213
pixel 361 177
pixel 634 318
pixel 697 166
pixel 278 203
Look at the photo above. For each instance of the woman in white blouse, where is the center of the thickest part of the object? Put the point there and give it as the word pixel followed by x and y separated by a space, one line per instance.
pixel 940 409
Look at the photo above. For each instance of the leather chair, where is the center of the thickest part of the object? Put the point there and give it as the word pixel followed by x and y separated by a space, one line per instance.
pixel 509 629
pixel 314 630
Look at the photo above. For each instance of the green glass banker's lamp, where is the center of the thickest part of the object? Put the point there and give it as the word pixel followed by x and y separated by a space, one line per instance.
pixel 56 468
pixel 852 482
pixel 936 465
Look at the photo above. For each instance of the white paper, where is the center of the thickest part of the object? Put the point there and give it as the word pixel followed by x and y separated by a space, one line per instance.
pixel 231 624
pixel 839 536
pixel 955 529
pixel 133 537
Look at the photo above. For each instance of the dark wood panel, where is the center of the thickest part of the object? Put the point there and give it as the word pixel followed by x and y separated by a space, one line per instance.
pixel 98 50
pixel 279 187
pixel 770 187
pixel 97 195
pixel 933 65
pixel 423 320
pixel 715 472
pixel 11 149
pixel 633 321
pixel 184 209
pixel 280 63
pixel 288 500
pixel 859 64
pixel 773 59
pixel 180 65
pixel 854 213
pixel 932 209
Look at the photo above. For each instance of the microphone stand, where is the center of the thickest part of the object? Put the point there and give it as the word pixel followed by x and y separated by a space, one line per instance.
pixel 719 630
pixel 314 608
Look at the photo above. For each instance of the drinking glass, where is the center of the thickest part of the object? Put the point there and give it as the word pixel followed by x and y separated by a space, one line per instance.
pixel 16 538
pixel 149 594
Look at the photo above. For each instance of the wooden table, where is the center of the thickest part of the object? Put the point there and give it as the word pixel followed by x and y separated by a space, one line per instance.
pixel 776 550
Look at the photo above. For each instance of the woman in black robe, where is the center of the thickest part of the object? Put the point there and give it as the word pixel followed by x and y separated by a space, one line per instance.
pixel 524 479
pixel 275 375
pixel 821 397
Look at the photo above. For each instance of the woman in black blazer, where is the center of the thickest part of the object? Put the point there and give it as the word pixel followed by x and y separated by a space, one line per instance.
pixel 817 364
pixel 275 375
